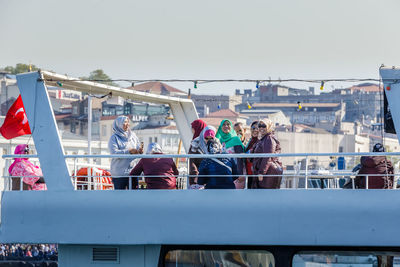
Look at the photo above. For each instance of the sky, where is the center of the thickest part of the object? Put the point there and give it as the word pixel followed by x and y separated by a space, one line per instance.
pixel 207 39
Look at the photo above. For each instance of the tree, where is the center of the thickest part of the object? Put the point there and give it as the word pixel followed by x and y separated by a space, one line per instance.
pixel 21 68
pixel 99 76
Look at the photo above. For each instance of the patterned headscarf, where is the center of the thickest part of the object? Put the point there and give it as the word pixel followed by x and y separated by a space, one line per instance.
pixel 230 139
pixel 213 146
pixel 270 126
pixel 154 148
pixel 20 149
pixel 378 147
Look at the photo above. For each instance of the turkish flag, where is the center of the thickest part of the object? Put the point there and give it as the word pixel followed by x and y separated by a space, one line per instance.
pixel 16 122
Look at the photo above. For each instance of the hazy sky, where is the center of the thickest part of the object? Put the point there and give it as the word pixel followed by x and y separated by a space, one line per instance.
pixel 207 39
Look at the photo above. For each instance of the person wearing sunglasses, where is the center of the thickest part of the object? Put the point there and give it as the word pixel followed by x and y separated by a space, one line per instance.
pixel 30 173
pixel 267 167
pixel 249 149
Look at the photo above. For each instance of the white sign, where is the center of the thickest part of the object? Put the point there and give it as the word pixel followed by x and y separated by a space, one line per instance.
pixel 140 118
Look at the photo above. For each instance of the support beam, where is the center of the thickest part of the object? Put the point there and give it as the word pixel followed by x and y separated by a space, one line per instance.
pixel 44 131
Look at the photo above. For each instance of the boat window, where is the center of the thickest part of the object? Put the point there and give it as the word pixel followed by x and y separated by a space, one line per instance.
pixel 229 258
pixel 346 259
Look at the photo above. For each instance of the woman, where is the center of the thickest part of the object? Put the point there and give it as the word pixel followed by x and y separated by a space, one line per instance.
pixel 249 149
pixel 162 177
pixel 197 127
pixel 30 173
pixel 269 165
pixel 123 141
pixel 223 169
pixel 197 146
pixel 231 144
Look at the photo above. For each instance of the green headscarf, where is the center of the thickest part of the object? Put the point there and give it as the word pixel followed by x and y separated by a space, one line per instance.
pixel 230 139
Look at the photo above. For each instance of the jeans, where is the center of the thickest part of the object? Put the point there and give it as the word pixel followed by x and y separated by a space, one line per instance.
pixel 123 183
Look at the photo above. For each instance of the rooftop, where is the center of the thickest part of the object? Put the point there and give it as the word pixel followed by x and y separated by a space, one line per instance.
pixel 223 113
pixel 157 88
pixel 295 105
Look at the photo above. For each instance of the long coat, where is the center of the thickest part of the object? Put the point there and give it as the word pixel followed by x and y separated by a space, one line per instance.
pixel 267 165
pixel 375 165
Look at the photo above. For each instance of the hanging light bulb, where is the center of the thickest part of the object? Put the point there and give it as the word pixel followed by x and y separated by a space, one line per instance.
pixel 219 105
pixel 257 84
pixel 248 105
pixel 59 83
pixel 322 85
pixel 195 85
pixel 299 107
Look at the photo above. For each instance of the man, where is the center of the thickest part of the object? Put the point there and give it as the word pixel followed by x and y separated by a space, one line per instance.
pixel 374 165
pixel 241 132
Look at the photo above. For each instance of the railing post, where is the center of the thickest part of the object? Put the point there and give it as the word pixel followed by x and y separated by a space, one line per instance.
pixel 130 182
pixel 366 182
pixel 89 180
pixel 187 174
pixel 75 178
pixel 306 178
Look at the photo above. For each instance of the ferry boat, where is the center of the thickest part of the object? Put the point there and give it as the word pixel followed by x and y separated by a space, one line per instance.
pixel 193 227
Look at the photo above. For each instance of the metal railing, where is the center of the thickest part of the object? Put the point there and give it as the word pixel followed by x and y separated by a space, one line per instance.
pixel 305 176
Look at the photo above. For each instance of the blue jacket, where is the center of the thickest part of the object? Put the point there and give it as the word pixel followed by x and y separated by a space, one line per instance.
pixel 210 167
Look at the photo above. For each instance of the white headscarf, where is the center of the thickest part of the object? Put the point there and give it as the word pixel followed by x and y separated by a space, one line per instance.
pixel 153 148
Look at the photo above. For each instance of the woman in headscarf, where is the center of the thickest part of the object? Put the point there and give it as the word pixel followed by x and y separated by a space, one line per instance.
pixel 232 144
pixel 29 172
pixel 123 141
pixel 217 173
pixel 249 149
pixel 161 177
pixel 197 127
pixel 267 143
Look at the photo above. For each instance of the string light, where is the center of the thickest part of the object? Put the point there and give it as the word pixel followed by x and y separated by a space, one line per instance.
pixel 257 84
pixel 248 105
pixel 299 107
pixel 322 85
pixel 219 105
pixel 195 85
pixel 59 84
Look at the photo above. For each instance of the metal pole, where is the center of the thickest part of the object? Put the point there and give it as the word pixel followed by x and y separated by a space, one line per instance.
pixel 90 127
pixel 75 178
pixel 306 179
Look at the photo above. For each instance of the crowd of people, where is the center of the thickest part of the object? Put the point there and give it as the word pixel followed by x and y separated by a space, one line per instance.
pixel 223 172
pixel 33 252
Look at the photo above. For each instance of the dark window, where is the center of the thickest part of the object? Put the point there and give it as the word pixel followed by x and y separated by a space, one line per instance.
pixel 345 258
pixel 200 258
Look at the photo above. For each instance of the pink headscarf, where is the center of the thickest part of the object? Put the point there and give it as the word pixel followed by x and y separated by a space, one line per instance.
pixel 20 149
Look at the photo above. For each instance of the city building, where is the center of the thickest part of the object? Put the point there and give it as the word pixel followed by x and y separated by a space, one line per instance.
pixel 159 88
pixel 206 104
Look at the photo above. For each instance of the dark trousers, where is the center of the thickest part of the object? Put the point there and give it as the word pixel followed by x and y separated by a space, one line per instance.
pixel 123 183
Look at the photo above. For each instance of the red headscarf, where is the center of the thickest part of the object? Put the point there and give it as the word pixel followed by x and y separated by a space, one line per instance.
pixel 198 126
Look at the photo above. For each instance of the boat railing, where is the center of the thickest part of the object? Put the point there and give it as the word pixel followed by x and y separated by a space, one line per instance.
pixel 307 171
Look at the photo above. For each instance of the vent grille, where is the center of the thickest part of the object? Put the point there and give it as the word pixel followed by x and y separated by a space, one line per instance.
pixel 105 254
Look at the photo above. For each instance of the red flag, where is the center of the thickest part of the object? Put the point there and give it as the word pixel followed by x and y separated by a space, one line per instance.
pixel 16 122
